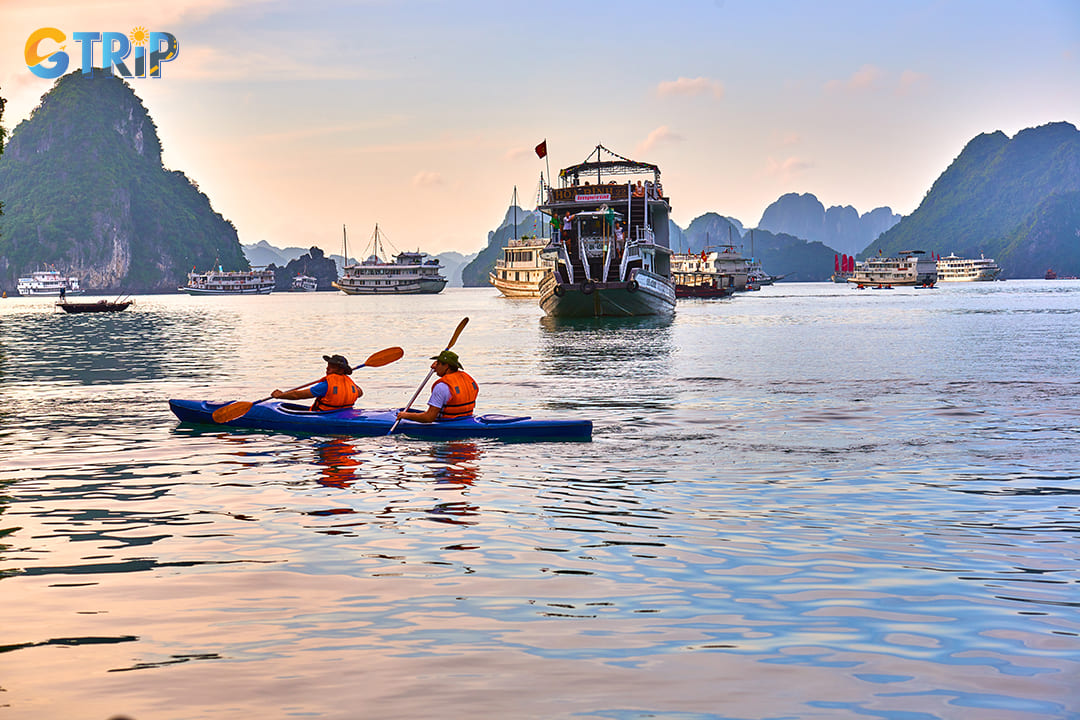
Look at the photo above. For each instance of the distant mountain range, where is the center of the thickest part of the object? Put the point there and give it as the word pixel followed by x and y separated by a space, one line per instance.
pixel 85 192
pixel 1016 200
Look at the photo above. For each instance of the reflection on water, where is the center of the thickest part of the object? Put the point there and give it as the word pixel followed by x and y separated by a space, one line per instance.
pixel 781 494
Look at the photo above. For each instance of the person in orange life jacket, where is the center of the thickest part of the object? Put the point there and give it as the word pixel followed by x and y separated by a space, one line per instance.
pixel 452 396
pixel 334 392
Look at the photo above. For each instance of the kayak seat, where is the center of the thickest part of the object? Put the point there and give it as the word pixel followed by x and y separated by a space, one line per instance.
pixel 499 419
pixel 305 410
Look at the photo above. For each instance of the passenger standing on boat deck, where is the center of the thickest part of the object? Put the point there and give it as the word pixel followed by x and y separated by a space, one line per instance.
pixel 336 391
pixel 453 395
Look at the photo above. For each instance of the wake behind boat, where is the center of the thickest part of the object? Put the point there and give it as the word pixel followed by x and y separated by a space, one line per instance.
pixel 612 246
pixel 284 416
pixel 408 274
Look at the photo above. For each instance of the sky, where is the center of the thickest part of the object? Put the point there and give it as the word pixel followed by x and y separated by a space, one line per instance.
pixel 300 118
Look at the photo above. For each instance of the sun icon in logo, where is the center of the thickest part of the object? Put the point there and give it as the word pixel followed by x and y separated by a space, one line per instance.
pixel 139 35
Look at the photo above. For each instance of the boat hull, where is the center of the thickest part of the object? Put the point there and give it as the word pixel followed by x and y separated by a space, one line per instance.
pixel 643 294
pixel 95 307
pixel 515 289
pixel 421 287
pixel 209 291
pixel 283 416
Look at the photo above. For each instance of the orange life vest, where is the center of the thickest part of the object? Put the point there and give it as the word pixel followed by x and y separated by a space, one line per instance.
pixel 341 392
pixel 463 392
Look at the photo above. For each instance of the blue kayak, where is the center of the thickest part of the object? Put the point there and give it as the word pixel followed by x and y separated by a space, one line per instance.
pixel 289 417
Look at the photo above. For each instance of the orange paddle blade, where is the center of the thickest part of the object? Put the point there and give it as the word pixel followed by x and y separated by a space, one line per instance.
pixel 231 411
pixel 384 357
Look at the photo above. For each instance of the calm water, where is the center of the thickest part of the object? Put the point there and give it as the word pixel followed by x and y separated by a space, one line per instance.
pixel 805 502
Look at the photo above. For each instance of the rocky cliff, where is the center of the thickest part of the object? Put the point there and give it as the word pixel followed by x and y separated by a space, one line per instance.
pixel 85 192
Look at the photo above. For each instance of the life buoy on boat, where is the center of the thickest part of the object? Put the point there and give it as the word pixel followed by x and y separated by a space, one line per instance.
pixel 559 291
pixel 587 288
pixel 632 286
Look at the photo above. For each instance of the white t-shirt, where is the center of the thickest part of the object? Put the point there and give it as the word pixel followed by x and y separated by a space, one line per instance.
pixel 440 395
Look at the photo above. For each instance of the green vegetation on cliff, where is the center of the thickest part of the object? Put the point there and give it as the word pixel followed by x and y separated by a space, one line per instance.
pixel 1017 201
pixel 86 192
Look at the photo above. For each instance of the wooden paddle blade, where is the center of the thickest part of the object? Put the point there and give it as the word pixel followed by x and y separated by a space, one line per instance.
pixel 231 411
pixel 460 327
pixel 384 357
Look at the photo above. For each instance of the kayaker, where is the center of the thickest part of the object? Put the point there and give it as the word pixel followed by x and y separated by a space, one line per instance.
pixel 335 392
pixel 452 396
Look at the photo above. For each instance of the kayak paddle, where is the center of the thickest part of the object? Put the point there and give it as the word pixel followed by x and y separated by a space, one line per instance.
pixel 453 339
pixel 233 410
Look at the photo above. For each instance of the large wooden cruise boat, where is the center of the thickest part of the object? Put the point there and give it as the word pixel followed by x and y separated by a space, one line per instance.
pixel 958 269
pixel 257 281
pixel 522 266
pixel 611 243
pixel 909 268
pixel 517 274
pixel 408 274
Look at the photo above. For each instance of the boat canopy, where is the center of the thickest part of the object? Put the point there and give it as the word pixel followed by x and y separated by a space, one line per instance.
pixel 600 167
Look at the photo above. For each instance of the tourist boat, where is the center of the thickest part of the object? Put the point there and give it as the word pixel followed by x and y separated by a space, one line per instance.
pixel 304 283
pixel 282 416
pixel 408 274
pixel 958 269
pixel 48 283
pixel 523 264
pixel 694 277
pixel 909 268
pixel 729 261
pixel 257 281
pixel 1050 274
pixel 843 268
pixel 95 307
pixel 611 242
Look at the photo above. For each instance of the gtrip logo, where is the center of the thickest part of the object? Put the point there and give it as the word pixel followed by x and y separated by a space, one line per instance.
pixel 46 58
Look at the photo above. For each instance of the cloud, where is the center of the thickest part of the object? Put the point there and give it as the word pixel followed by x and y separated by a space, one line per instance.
pixel 787 169
pixel 910 81
pixel 427 178
pixel 865 78
pixel 690 87
pixel 790 137
pixel 660 136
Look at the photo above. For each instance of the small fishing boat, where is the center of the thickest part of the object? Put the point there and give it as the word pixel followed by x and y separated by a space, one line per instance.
pixel 283 416
pixel 95 307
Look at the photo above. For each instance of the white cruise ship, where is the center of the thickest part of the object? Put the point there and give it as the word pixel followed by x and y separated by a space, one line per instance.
pixel 408 274
pixel 48 282
pixel 958 269
pixel 219 282
pixel 909 268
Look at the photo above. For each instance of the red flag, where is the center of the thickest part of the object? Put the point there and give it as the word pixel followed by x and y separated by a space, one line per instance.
pixel 541 149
